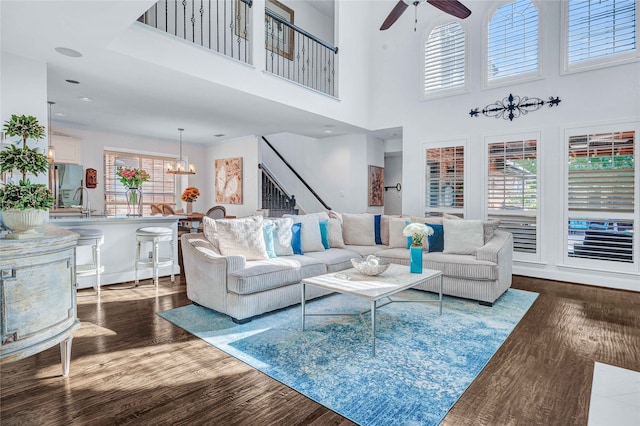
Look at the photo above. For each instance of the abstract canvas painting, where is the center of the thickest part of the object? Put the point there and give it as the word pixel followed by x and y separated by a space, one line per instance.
pixel 228 180
pixel 376 186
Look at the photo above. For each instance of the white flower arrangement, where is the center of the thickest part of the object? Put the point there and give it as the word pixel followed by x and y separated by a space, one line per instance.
pixel 417 231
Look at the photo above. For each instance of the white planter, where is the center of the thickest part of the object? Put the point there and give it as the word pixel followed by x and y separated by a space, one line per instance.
pixel 23 220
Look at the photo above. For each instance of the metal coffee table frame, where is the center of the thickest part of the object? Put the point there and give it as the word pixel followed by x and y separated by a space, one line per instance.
pixel 394 280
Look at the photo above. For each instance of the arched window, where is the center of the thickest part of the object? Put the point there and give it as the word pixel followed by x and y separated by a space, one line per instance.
pixel 512 41
pixel 444 58
pixel 599 32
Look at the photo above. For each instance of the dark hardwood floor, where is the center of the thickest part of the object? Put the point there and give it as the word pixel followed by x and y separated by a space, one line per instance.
pixel 129 366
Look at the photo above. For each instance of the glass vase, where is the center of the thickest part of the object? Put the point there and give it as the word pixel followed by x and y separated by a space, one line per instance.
pixel 189 207
pixel 415 266
pixel 134 202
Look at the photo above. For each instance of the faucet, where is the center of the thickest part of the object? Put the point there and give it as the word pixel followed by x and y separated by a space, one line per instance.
pixel 75 197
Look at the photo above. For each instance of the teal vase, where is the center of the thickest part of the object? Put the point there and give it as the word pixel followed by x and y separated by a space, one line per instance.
pixel 416 260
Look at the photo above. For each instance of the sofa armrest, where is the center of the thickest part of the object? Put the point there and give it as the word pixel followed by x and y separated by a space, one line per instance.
pixel 501 242
pixel 206 271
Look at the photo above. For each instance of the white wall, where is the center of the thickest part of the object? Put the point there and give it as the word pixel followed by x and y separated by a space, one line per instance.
pixel 94 143
pixel 24 92
pixel 336 168
pixel 607 95
pixel 247 148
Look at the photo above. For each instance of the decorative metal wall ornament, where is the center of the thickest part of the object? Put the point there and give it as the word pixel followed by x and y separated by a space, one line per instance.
pixel 514 106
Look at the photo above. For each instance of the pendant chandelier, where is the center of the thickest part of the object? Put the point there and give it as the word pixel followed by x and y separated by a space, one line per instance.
pixel 180 166
pixel 51 151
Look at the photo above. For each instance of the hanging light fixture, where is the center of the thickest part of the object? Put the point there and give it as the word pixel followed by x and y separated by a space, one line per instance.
pixel 180 166
pixel 51 151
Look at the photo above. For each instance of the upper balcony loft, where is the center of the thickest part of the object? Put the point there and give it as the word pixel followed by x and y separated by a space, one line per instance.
pixel 226 27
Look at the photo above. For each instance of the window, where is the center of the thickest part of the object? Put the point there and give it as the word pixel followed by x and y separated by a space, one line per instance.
pixel 160 189
pixel 599 31
pixel 512 42
pixel 444 179
pixel 601 196
pixel 444 58
pixel 512 191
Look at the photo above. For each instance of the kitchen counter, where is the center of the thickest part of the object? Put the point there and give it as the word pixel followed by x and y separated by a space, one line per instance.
pixel 119 249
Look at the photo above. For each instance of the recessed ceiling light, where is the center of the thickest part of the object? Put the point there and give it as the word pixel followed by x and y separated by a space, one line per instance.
pixel 328 131
pixel 60 114
pixel 85 98
pixel 68 52
pixel 73 81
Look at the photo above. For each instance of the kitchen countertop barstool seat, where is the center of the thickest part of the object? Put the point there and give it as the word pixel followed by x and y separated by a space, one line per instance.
pixel 154 235
pixel 95 239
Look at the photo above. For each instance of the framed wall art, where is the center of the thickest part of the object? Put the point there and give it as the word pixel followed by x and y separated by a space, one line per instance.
pixel 278 37
pixel 228 180
pixel 376 186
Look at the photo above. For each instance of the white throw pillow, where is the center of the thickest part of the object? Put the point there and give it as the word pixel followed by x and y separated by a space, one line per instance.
pixel 282 235
pixel 210 232
pixel 396 226
pixel 335 233
pixel 242 237
pixel 310 236
pixel 358 229
pixel 462 236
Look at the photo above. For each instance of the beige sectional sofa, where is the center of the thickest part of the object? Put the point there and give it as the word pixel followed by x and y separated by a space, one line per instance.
pixel 228 269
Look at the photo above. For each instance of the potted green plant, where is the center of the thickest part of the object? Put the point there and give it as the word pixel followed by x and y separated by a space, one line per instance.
pixel 24 205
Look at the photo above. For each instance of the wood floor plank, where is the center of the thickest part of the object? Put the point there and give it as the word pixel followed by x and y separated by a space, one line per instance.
pixel 131 367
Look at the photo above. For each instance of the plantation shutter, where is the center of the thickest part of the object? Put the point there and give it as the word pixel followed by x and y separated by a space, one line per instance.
pixel 444 57
pixel 512 43
pixel 445 178
pixel 512 191
pixel 600 28
pixel 159 189
pixel 601 196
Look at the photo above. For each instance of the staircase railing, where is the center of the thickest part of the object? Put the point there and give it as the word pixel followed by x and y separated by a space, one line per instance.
pixel 274 197
pixel 297 175
pixel 294 54
pixel 219 25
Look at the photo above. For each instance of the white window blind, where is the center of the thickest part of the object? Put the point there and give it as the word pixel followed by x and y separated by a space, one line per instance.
pixel 159 189
pixel 512 44
pixel 512 191
pixel 444 57
pixel 445 178
pixel 600 28
pixel 601 196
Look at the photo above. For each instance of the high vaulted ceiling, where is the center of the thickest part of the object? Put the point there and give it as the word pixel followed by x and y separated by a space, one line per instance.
pixel 130 96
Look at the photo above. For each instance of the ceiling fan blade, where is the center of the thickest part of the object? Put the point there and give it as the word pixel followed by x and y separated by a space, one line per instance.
pixel 395 13
pixel 452 7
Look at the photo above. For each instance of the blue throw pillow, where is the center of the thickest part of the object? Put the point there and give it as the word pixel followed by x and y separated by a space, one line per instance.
pixel 409 239
pixel 296 242
pixel 376 228
pixel 268 229
pixel 436 240
pixel 324 233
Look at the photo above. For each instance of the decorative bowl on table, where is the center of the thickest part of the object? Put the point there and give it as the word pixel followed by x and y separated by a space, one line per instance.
pixel 371 265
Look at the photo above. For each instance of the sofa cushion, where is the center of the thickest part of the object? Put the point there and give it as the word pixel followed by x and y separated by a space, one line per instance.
pixel 324 233
pixel 281 235
pixel 463 236
pixel 261 275
pixel 310 232
pixel 489 228
pixel 210 232
pixel 365 251
pixel 268 230
pixel 336 259
pixel 358 229
pixel 436 240
pixel 296 240
pixel 451 265
pixel 335 233
pixel 242 236
pixel 396 238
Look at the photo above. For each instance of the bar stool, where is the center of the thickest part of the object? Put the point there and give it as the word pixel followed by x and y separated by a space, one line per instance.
pixel 154 235
pixel 94 238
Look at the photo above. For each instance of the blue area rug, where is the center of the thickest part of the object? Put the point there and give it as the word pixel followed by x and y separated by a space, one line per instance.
pixel 423 364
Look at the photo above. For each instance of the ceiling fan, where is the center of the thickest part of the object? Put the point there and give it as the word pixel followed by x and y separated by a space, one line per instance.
pixel 452 7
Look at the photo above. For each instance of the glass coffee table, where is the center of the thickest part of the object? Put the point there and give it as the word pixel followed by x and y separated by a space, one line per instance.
pixel 373 288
